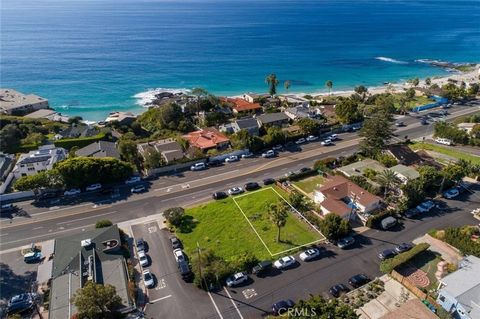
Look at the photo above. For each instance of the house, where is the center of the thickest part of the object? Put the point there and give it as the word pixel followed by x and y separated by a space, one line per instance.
pixel 40 160
pixel 254 97
pixel 239 105
pixel 298 112
pixel 76 131
pixel 403 154
pixel 250 124
pixel 168 148
pixel 94 255
pixel 467 127
pixel 459 292
pixel 341 196
pixel 294 100
pixel 6 165
pixel 16 103
pixel 123 118
pixel 279 119
pixel 358 168
pixel 99 149
pixel 413 308
pixel 48 114
pixel 206 139
pixel 404 173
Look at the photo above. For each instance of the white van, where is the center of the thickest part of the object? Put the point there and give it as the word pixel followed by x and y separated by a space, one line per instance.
pixel 444 141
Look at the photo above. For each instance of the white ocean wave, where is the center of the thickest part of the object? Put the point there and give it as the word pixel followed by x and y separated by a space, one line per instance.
pixel 391 60
pixel 146 97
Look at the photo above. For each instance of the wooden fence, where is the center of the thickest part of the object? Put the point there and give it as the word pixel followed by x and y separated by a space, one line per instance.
pixel 404 281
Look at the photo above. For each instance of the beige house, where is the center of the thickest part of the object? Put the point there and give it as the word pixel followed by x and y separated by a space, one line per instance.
pixel 15 103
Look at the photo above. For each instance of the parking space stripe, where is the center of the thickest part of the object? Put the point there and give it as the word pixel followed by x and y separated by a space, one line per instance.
pixel 215 305
pixel 159 299
pixel 233 302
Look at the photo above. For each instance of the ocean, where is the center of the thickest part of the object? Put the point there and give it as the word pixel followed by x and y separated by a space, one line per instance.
pixel 90 57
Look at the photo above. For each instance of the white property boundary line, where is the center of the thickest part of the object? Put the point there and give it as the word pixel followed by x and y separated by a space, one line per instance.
pixel 293 208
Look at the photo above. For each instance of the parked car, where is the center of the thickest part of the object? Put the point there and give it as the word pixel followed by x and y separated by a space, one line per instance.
pixel 235 190
pixel 444 141
pixel 138 189
pixel 412 212
pixel 141 244
pixel 388 222
pixel 310 254
pixel 403 247
pixel 71 192
pixel 198 167
pixel 424 121
pixel 133 180
pixel 345 242
pixel 21 303
pixel 219 195
pixel 312 138
pixel 148 278
pixel 48 195
pixel 250 186
pixel 451 193
pixel 338 290
pixel 284 262
pixel 425 206
pixel 142 258
pixel 236 279
pixel 282 306
pixel 179 256
pixel 300 141
pixel 247 155
pixel 231 159
pixel 268 154
pixel 333 137
pixel 277 147
pixel 93 187
pixel 358 280
pixel 327 142
pixel 32 257
pixel 184 270
pixel 176 243
pixel 4 208
pixel 214 163
pixel 399 124
pixel 262 268
pixel 269 181
pixel 387 253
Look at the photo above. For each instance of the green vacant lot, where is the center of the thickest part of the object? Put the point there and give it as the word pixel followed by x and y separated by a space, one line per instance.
pixel 221 226
pixel 458 154
pixel 417 101
pixel 309 184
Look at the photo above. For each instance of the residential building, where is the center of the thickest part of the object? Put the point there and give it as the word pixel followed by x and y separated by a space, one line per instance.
pixel 206 139
pixel 403 154
pixel 467 127
pixel 99 149
pixel 77 130
pixel 250 124
pixel 169 148
pixel 40 160
pixel 411 309
pixel 404 173
pixel 459 292
pixel 254 97
pixel 294 100
pixel 279 119
pixel 298 112
pixel 94 255
pixel 123 118
pixel 6 165
pixel 15 103
pixel 341 196
pixel 48 114
pixel 358 168
pixel 239 105
pixel 226 128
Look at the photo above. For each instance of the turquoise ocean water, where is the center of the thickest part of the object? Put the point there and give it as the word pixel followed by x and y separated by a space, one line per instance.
pixel 92 57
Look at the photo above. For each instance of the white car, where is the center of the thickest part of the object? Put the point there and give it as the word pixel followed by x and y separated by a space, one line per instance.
pixel 300 141
pixel 327 142
pixel 284 262
pixel 71 192
pixel 137 189
pixel 451 193
pixel 268 154
pixel 148 278
pixel 310 254
pixel 425 206
pixel 235 190
pixel 133 180
pixel 142 258
pixel 277 147
pixel 236 279
pixel 444 141
pixel 247 155
pixel 333 137
pixel 94 187
pixel 198 167
pixel 231 159
pixel 179 256
pixel 312 138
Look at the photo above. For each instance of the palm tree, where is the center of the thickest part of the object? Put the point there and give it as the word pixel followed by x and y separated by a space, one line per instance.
pixel 287 84
pixel 402 109
pixel 387 179
pixel 272 82
pixel 278 213
pixel 329 85
pixel 199 93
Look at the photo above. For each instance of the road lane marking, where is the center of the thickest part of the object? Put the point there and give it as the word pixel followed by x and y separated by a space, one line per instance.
pixel 215 305
pixel 233 302
pixel 249 293
pixel 159 299
pixel 161 284
pixel 79 219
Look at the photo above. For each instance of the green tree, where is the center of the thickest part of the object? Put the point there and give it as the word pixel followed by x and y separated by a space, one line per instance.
pixel 428 81
pixel 410 94
pixel 10 136
pixel 334 227
pixel 377 132
pixel 34 138
pixel 431 178
pixel 309 126
pixel 320 308
pixel 153 159
pixel 199 94
pixel 243 140
pixel 103 223
pixel 96 301
pixel 128 150
pixel 274 136
pixel 278 213
pixel 362 91
pixel 300 202
pixel 45 179
pixel 347 111
pixel 388 180
pixel 272 82
pixel 174 215
pixel 329 85
pixel 473 89
pixel 450 131
pixel 73 151
pixel 475 132
pixel 415 82
pixel 168 116
pixel 414 192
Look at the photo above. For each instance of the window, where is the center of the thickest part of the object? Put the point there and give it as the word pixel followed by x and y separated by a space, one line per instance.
pixel 441 298
pixel 31 169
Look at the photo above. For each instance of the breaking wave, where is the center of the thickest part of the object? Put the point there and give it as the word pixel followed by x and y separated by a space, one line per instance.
pixel 146 97
pixel 386 59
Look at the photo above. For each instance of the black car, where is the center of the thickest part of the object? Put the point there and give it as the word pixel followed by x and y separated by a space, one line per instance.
pixel 184 270
pixel 269 181
pixel 411 213
pixel 107 191
pixel 403 247
pixel 141 244
pixel 47 195
pixel 387 253
pixel 339 289
pixel 282 306
pixel 21 303
pixel 262 268
pixel 251 186
pixel 219 195
pixel 358 280
pixel 214 163
pixel 424 121
pixel 175 242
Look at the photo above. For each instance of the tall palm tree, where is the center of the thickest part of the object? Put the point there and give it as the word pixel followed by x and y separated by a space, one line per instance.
pixel 199 93
pixel 272 82
pixel 387 179
pixel 287 84
pixel 329 85
pixel 278 213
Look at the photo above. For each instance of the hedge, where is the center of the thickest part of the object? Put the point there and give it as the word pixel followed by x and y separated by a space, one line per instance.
pixel 68 143
pixel 374 220
pixel 388 265
pixel 297 176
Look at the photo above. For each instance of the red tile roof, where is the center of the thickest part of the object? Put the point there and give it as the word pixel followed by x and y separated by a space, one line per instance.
pixel 240 105
pixel 206 138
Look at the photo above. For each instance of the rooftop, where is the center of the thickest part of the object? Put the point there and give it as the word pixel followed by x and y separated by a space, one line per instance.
pixel 42 154
pixel 43 113
pixel 272 117
pixel 404 154
pixel 206 138
pixel 240 105
pixel 359 167
pixel 99 149
pixel 246 123
pixel 413 308
pixel 165 145
pixel 11 99
pixel 409 172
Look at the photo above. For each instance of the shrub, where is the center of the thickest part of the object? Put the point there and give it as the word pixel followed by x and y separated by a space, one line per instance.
pixel 387 160
pixel 388 265
pixel 325 164
pixel 68 143
pixel 461 238
pixel 374 221
pixel 103 223
pixel 174 215
pixel 300 175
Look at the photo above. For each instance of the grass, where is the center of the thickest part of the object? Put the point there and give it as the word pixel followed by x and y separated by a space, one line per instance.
pixel 309 184
pixel 417 101
pixel 220 226
pixel 446 151
pixel 427 261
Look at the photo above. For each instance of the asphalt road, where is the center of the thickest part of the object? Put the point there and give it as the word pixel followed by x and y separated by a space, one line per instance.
pixel 52 219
